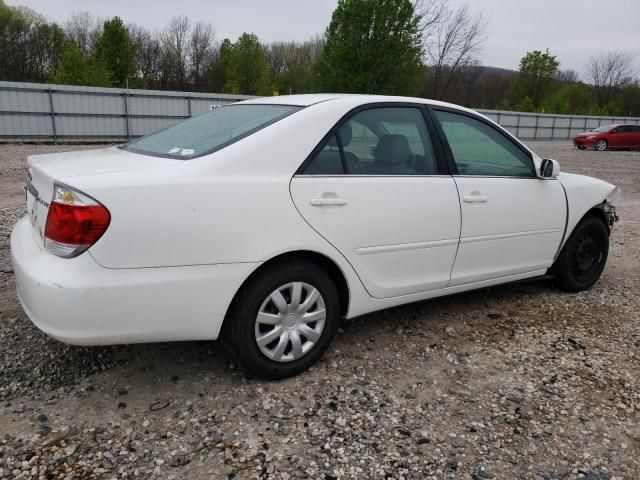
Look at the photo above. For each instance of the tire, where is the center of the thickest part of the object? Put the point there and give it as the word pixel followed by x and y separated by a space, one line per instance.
pixel 583 257
pixel 600 145
pixel 255 316
pixel 581 147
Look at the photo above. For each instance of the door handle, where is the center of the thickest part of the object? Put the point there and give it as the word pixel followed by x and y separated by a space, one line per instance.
pixel 323 202
pixel 475 198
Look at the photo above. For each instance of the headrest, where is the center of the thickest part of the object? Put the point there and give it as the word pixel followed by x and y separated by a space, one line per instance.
pixel 393 150
pixel 346 134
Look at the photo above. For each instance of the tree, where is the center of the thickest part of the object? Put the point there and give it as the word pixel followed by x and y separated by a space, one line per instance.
pixel 608 72
pixel 146 47
pixel 217 74
pixel 291 64
pixel 372 46
pixel 114 50
pixel 452 38
pixel 537 75
pixel 175 54
pixel 75 69
pixel 572 98
pixel 29 46
pixel 201 54
pixel 248 72
pixel 84 29
pixel 629 100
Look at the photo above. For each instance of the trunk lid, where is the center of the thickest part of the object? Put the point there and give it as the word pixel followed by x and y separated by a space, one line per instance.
pixel 44 170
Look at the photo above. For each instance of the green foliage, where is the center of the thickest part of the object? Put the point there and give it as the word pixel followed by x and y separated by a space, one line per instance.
pixel 217 74
pixel 537 76
pixel 114 50
pixel 75 69
pixel 525 105
pixel 295 79
pixel 372 46
pixel 29 47
pixel 573 98
pixel 247 72
pixel 629 100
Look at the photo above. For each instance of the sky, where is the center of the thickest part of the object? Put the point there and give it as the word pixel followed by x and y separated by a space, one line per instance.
pixel 571 29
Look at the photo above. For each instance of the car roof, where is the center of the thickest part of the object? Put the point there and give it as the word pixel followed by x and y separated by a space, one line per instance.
pixel 306 100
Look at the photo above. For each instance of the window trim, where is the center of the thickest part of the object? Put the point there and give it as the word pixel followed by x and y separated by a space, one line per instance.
pixel 449 153
pixel 440 156
pixel 294 109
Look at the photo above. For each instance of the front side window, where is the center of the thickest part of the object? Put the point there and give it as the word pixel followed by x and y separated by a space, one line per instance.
pixel 480 149
pixel 205 133
pixel 380 141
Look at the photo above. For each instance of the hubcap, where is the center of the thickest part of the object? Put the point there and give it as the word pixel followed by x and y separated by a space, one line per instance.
pixel 290 322
pixel 601 145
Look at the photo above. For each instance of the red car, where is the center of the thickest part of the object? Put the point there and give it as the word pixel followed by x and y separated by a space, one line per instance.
pixel 609 136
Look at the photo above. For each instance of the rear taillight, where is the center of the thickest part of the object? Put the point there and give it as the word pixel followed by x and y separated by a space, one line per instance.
pixel 75 222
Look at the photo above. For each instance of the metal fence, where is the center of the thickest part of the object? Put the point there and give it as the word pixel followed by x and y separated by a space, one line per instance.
pixel 39 112
pixel 546 126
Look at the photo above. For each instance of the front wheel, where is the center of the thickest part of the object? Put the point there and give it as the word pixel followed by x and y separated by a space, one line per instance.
pixel 583 257
pixel 580 147
pixel 284 319
pixel 600 146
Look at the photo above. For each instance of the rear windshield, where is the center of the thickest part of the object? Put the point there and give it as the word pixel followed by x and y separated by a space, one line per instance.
pixel 210 131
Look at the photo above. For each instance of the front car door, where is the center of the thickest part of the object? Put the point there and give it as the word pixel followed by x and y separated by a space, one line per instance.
pixel 512 221
pixel 617 137
pixel 377 188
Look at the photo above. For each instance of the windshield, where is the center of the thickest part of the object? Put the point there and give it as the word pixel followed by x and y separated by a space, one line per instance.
pixel 604 128
pixel 210 131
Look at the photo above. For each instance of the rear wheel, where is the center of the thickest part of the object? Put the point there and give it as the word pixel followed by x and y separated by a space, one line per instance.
pixel 600 146
pixel 284 320
pixel 583 257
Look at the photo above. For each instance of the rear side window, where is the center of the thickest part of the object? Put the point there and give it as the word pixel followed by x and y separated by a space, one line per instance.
pixel 480 149
pixel 208 132
pixel 327 161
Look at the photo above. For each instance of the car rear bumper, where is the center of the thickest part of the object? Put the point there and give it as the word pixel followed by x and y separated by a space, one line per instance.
pixel 79 302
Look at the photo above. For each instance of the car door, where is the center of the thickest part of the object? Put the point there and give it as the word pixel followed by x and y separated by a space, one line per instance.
pixel 377 189
pixel 626 136
pixel 616 138
pixel 512 221
pixel 635 136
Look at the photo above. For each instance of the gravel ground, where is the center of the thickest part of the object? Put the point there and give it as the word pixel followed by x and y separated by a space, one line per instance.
pixel 512 382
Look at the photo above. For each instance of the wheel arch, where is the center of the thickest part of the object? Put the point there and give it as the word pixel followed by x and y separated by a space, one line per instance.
pixel 597 211
pixel 323 261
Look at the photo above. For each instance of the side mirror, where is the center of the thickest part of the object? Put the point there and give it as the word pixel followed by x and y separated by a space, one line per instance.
pixel 549 168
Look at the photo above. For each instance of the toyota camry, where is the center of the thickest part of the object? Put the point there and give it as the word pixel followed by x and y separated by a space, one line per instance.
pixel 266 221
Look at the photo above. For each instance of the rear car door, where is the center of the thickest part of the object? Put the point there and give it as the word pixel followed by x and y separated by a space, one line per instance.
pixel 377 189
pixel 512 221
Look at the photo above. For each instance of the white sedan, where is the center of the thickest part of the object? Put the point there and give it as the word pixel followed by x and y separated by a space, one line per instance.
pixel 268 220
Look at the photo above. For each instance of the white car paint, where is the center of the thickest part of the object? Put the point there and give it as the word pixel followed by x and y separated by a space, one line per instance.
pixel 400 252
pixel 185 235
pixel 515 229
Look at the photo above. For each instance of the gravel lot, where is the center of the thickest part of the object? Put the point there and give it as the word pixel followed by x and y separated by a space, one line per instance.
pixel 512 382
